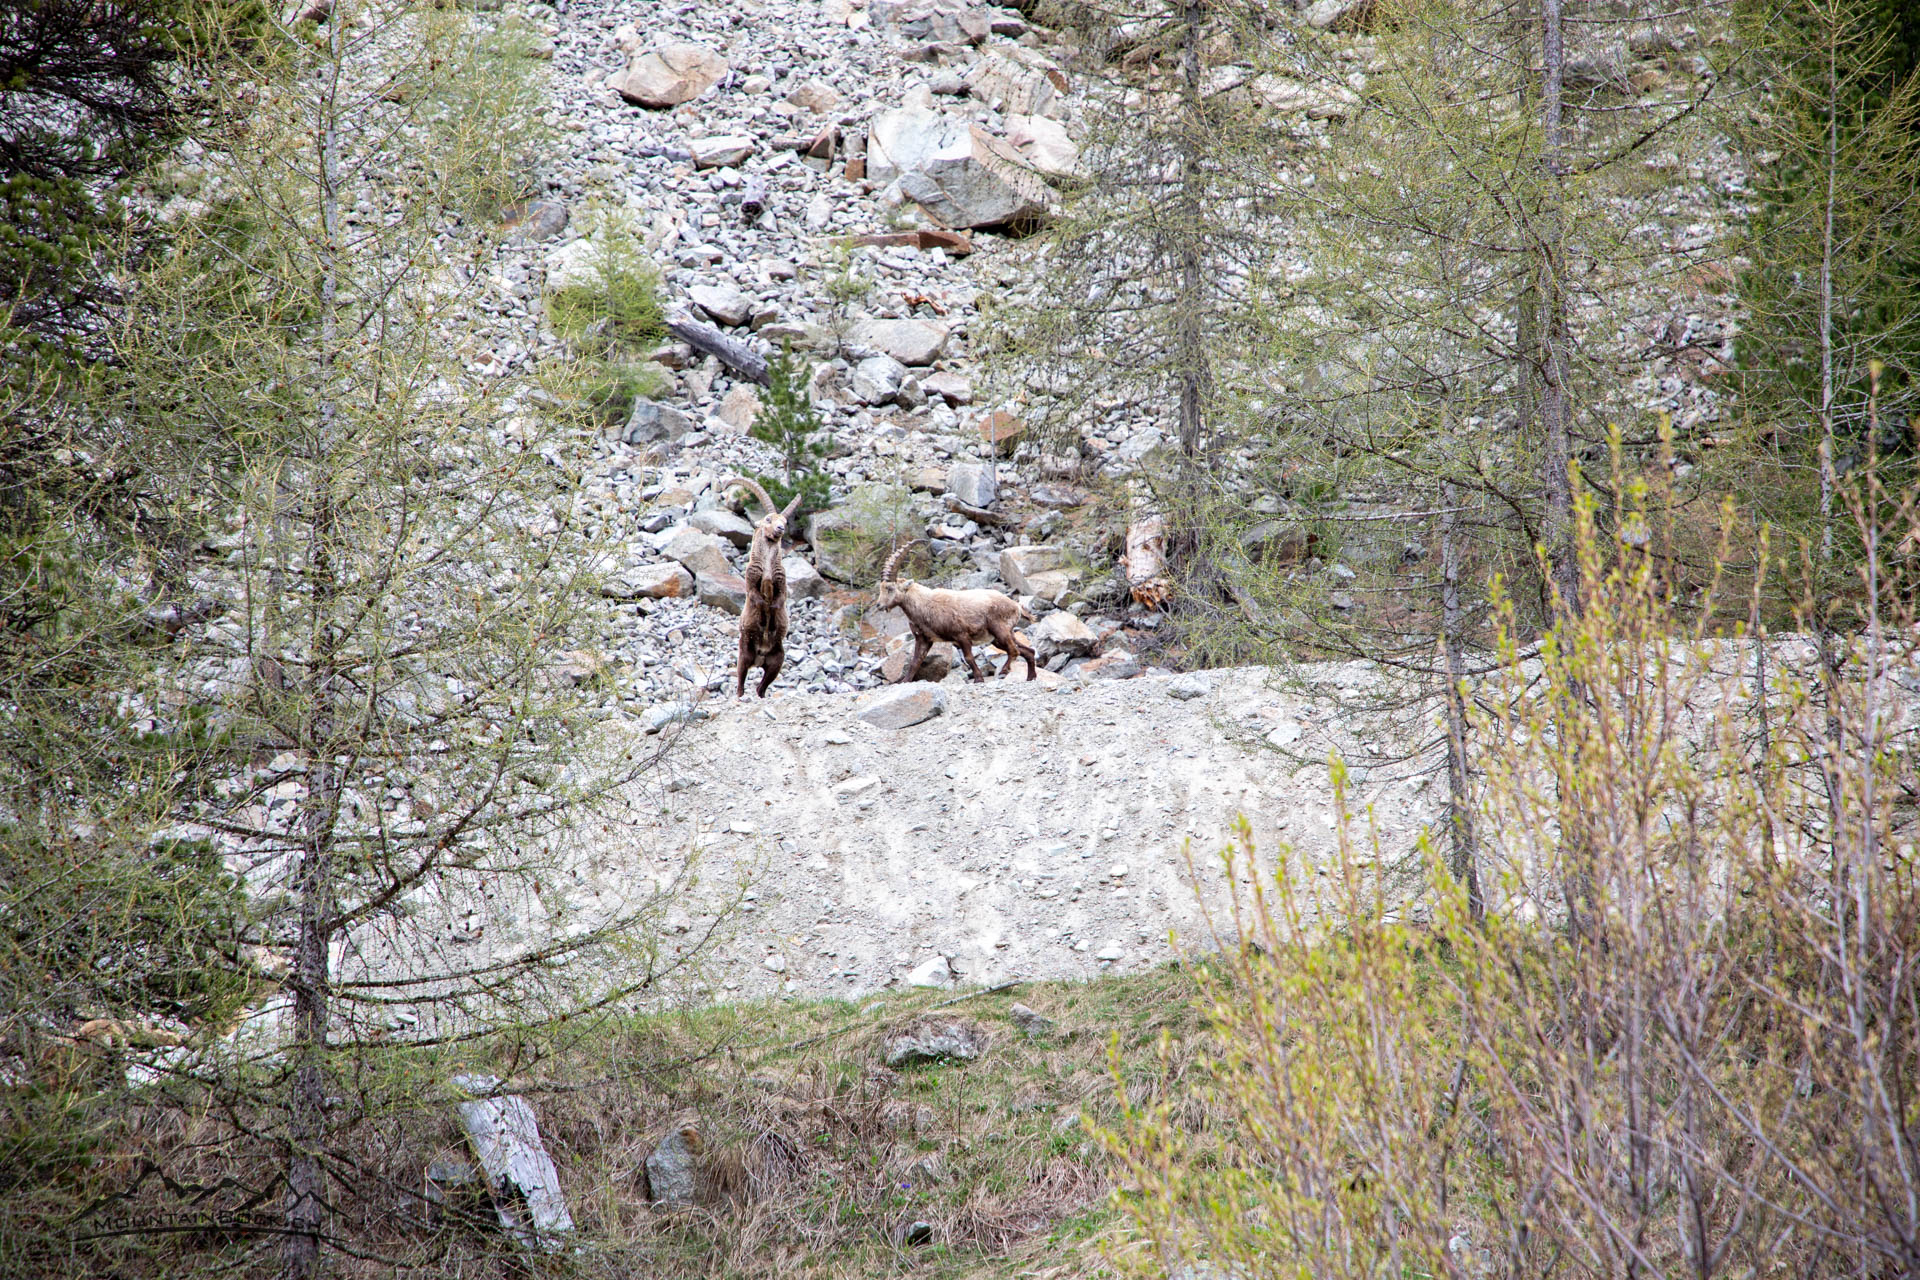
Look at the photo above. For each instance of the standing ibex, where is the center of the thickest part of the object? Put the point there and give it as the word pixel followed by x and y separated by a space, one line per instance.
pixel 763 618
pixel 963 618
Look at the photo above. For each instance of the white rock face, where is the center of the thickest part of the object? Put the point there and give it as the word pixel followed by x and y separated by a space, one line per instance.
pixel 1061 632
pixel 669 74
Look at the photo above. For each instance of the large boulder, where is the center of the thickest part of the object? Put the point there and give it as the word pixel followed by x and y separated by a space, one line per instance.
pixel 654 423
pixel 974 483
pixel 719 150
pixel 803 580
pixel 911 342
pixel 722 523
pixel 934 1041
pixel 654 581
pixel 702 553
pixel 726 592
pixel 726 304
pixel 877 379
pixel 1060 632
pixel 1017 81
pixel 903 706
pixel 960 174
pixel 1020 565
pixel 670 73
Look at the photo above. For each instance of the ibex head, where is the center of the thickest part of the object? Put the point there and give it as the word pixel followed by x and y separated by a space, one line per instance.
pixel 890 591
pixel 773 525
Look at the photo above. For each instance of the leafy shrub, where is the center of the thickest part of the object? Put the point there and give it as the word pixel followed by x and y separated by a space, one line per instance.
pixel 789 422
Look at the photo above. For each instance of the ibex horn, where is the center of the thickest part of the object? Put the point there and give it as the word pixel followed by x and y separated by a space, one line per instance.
pixel 754 487
pixel 893 562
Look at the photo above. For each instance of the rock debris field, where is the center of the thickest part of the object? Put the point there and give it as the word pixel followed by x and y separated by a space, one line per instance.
pixel 1025 830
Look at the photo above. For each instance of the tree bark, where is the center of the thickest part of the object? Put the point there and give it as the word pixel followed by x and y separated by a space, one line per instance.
pixel 1553 330
pixel 313 886
pixel 1190 348
pixel 1465 859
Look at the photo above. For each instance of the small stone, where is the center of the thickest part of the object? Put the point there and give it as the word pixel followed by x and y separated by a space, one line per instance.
pixel 531 221
pixel 815 95
pixel 1284 735
pixel 1001 431
pixel 670 1168
pixel 722 150
pixel 726 304
pixel 1030 1024
pixel 1110 950
pixel 931 973
pixel 1187 687
pixel 902 706
pixel 1057 495
pixel 776 962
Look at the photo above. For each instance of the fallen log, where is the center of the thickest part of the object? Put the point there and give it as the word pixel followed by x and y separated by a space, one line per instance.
pixel 521 1178
pixel 731 352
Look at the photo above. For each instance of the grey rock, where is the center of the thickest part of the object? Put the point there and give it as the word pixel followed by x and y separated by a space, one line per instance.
pixel 722 523
pixel 669 74
pixel 954 388
pixel 911 342
pixel 1061 632
pixel 660 715
pixel 722 150
pixel 803 580
pixel 670 1171
pixel 935 1041
pixel 1030 1024
pixel 726 592
pixel 726 304
pixel 974 483
pixel 652 581
pixel 532 221
pixel 1057 495
pixel 936 972
pixel 909 1232
pixel 903 706
pixel 1189 686
pixel 1020 566
pixel 960 174
pixel 654 423
pixel 877 379
pixel 700 552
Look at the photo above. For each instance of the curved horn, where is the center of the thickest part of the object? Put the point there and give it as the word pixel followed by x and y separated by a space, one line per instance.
pixel 752 486
pixel 788 513
pixel 893 562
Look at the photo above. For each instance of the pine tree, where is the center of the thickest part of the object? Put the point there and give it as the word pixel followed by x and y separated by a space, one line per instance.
pixel 790 423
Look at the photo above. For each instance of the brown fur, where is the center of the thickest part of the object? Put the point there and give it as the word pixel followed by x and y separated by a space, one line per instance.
pixel 763 618
pixel 961 618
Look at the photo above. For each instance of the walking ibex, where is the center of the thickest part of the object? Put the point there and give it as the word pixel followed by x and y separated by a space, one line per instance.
pixel 962 618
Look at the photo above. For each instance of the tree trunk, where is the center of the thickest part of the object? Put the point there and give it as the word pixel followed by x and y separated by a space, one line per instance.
pixel 313 885
pixel 1465 860
pixel 1553 332
pixel 1190 347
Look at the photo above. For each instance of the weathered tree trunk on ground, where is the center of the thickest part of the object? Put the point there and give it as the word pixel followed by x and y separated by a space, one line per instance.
pixel 734 354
